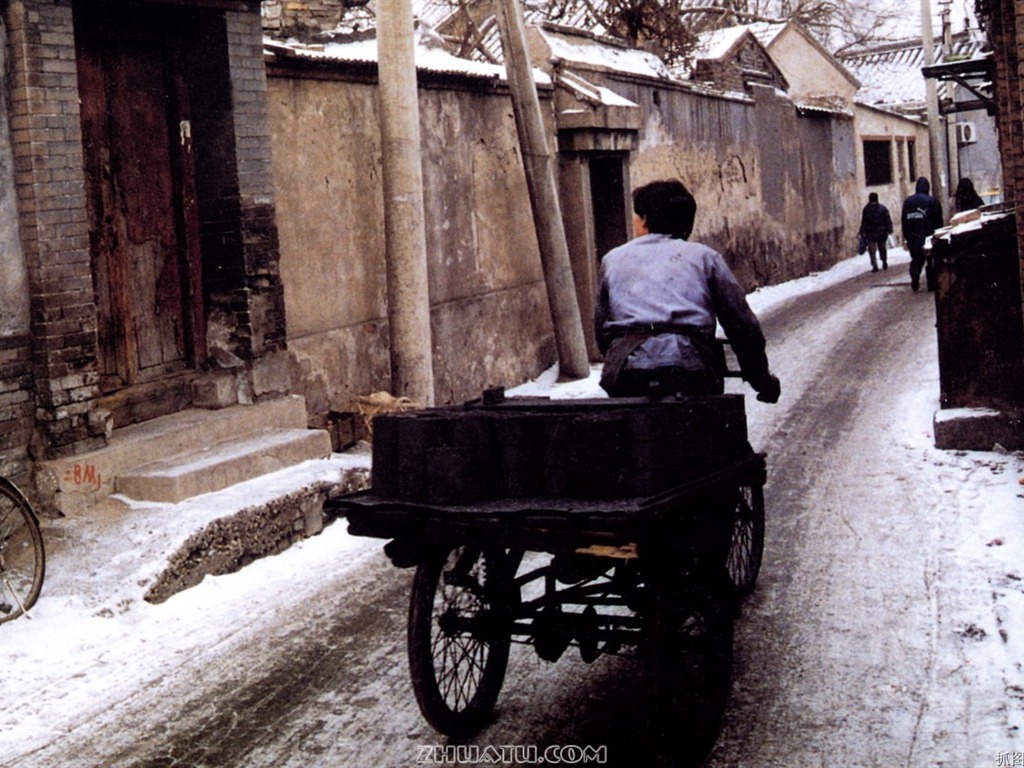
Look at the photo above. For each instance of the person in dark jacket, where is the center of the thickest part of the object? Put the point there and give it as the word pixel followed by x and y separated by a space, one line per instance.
pixel 875 228
pixel 921 216
pixel 660 300
pixel 966 197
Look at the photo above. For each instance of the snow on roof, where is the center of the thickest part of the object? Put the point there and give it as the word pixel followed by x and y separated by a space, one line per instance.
pixel 429 57
pixel 766 32
pixel 891 74
pixel 825 105
pixel 595 95
pixel 585 50
pixel 971 224
pixel 717 43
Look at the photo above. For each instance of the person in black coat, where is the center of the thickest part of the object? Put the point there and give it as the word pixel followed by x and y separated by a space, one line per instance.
pixel 921 216
pixel 875 228
pixel 966 196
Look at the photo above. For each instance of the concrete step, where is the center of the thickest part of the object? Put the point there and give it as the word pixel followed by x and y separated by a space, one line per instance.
pixel 76 484
pixel 222 464
pixel 150 551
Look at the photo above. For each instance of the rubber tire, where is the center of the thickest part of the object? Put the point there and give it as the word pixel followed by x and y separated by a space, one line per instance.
pixel 22 554
pixel 689 669
pixel 747 548
pixel 471 691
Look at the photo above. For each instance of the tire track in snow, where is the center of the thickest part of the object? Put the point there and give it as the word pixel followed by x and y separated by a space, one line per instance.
pixel 807 667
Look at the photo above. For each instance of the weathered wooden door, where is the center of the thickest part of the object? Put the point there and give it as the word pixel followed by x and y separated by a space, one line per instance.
pixel 141 201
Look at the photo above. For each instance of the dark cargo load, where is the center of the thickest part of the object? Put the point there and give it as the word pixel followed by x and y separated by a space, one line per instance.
pixel 535 447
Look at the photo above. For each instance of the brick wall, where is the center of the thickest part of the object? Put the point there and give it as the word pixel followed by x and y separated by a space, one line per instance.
pixel 49 378
pixel 255 179
pixel 1004 23
pixel 257 300
pixel 1005 26
pixel 17 410
pixel 48 171
pixel 303 20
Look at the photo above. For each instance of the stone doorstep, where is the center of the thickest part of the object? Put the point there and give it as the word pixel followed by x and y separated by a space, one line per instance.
pixel 978 429
pixel 222 464
pixel 230 542
pixel 75 484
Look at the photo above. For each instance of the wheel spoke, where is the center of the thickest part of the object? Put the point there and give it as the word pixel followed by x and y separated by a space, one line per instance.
pixel 22 562
pixel 456 655
pixel 744 559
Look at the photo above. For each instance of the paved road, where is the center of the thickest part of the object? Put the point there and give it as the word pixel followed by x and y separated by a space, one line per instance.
pixel 841 654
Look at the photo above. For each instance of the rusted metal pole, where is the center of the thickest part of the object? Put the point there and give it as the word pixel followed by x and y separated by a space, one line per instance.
pixel 539 164
pixel 412 372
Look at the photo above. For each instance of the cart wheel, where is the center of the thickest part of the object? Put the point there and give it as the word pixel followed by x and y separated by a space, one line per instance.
pixel 689 665
pixel 747 547
pixel 459 636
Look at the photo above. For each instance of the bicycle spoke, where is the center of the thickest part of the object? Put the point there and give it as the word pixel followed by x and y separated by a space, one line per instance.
pixel 22 560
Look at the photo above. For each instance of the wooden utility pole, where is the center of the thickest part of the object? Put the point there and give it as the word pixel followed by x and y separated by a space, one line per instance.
pixel 539 164
pixel 932 104
pixel 405 240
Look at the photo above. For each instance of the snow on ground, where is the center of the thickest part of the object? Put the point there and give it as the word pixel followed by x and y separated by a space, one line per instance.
pixel 91 624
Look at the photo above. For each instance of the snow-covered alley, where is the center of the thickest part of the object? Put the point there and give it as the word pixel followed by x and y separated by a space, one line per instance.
pixel 886 629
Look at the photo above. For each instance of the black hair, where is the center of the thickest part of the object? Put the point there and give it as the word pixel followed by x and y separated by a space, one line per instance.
pixel 667 207
pixel 873 197
pixel 965 187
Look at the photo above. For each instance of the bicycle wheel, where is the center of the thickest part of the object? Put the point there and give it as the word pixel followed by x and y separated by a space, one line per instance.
pixel 459 637
pixel 689 667
pixel 747 548
pixel 22 558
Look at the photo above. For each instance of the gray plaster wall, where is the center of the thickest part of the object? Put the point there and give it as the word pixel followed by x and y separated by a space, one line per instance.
pixel 489 316
pixel 979 160
pixel 14 316
pixel 17 406
pixel 776 190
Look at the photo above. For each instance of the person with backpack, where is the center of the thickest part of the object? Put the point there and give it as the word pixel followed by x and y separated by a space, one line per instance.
pixel 920 217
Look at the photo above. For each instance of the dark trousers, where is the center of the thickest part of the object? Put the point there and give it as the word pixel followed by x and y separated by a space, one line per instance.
pixel 879 246
pixel 666 382
pixel 918 261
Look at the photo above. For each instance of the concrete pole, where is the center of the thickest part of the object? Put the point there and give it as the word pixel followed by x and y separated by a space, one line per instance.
pixel 405 240
pixel 935 133
pixel 952 146
pixel 539 164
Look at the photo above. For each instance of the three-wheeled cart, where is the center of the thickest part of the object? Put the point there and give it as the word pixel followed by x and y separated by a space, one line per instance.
pixel 616 526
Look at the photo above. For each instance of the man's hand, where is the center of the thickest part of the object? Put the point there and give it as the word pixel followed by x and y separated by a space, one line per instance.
pixel 769 389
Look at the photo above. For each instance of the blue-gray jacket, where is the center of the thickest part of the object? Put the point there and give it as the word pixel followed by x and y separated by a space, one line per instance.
pixel 665 282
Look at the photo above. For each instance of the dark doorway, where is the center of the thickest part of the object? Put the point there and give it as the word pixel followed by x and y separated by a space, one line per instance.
pixel 610 203
pixel 144 231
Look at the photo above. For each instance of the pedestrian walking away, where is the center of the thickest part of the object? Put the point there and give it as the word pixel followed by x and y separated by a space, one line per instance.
pixel 659 301
pixel 966 197
pixel 920 217
pixel 875 228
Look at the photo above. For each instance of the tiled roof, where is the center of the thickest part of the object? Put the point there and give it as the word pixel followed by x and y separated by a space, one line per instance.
pixel 890 75
pixel 429 58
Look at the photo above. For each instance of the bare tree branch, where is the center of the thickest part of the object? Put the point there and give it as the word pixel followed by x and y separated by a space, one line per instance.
pixel 670 28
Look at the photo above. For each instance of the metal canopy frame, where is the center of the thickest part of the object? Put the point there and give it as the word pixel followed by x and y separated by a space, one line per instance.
pixel 975 75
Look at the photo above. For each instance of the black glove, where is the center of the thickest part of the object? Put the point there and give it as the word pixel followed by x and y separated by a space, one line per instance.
pixel 769 389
